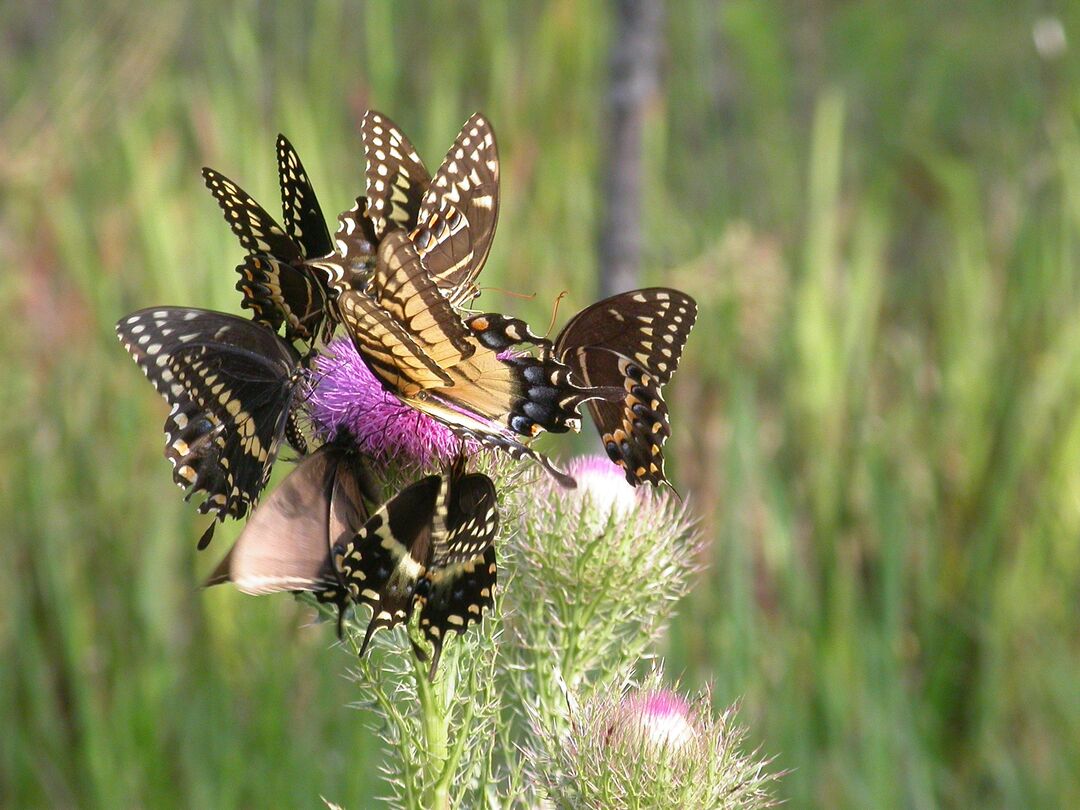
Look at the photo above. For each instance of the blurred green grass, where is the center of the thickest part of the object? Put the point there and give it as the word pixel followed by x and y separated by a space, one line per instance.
pixel 877 205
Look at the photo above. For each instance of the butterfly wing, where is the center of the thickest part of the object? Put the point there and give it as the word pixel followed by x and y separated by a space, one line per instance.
pixel 500 332
pixel 350 265
pixel 300 208
pixel 456 221
pixel 633 340
pixel 383 562
pixel 231 384
pixel 405 330
pixel 280 294
pixel 460 582
pixel 285 545
pixel 274 281
pixel 396 177
pixel 257 231
pixel 403 288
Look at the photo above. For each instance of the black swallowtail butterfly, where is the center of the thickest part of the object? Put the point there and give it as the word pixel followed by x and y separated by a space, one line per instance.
pixel 631 342
pixel 431 548
pixel 451 217
pixel 231 384
pixel 276 281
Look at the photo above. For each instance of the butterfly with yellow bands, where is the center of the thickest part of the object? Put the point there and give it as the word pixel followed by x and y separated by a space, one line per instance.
pixel 414 341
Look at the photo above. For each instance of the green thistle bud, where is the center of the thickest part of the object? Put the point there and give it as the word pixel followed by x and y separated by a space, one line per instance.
pixel 596 571
pixel 648 747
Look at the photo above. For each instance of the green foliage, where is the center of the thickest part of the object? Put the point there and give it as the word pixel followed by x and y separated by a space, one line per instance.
pixel 878 419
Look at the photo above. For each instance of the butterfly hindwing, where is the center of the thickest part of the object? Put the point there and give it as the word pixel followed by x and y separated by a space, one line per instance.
pixel 457 596
pixel 460 581
pixel 634 341
pixel 230 384
pixel 279 293
pixel 383 562
pixel 499 332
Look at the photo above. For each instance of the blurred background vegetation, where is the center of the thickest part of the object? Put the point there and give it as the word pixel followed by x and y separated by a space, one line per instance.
pixel 877 205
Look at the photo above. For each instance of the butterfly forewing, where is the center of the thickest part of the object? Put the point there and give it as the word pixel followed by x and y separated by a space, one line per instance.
pixel 256 229
pixel 648 326
pixel 285 545
pixel 300 209
pixel 389 350
pixel 456 222
pixel 405 290
pixel 405 330
pixel 231 384
pixel 396 177
pixel 633 340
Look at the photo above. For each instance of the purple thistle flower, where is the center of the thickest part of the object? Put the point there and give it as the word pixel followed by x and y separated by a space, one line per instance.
pixel 347 395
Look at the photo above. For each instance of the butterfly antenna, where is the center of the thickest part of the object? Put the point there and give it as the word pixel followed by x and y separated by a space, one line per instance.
pixel 555 311
pixel 511 293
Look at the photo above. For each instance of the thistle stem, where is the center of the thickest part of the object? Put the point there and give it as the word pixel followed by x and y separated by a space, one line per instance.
pixel 434 699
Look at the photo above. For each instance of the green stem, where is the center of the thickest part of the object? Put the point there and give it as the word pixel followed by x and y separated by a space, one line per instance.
pixel 442 787
pixel 434 719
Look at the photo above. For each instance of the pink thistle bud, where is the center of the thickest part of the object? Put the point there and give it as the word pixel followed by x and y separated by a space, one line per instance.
pixel 348 396
pixel 657 717
pixel 604 485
